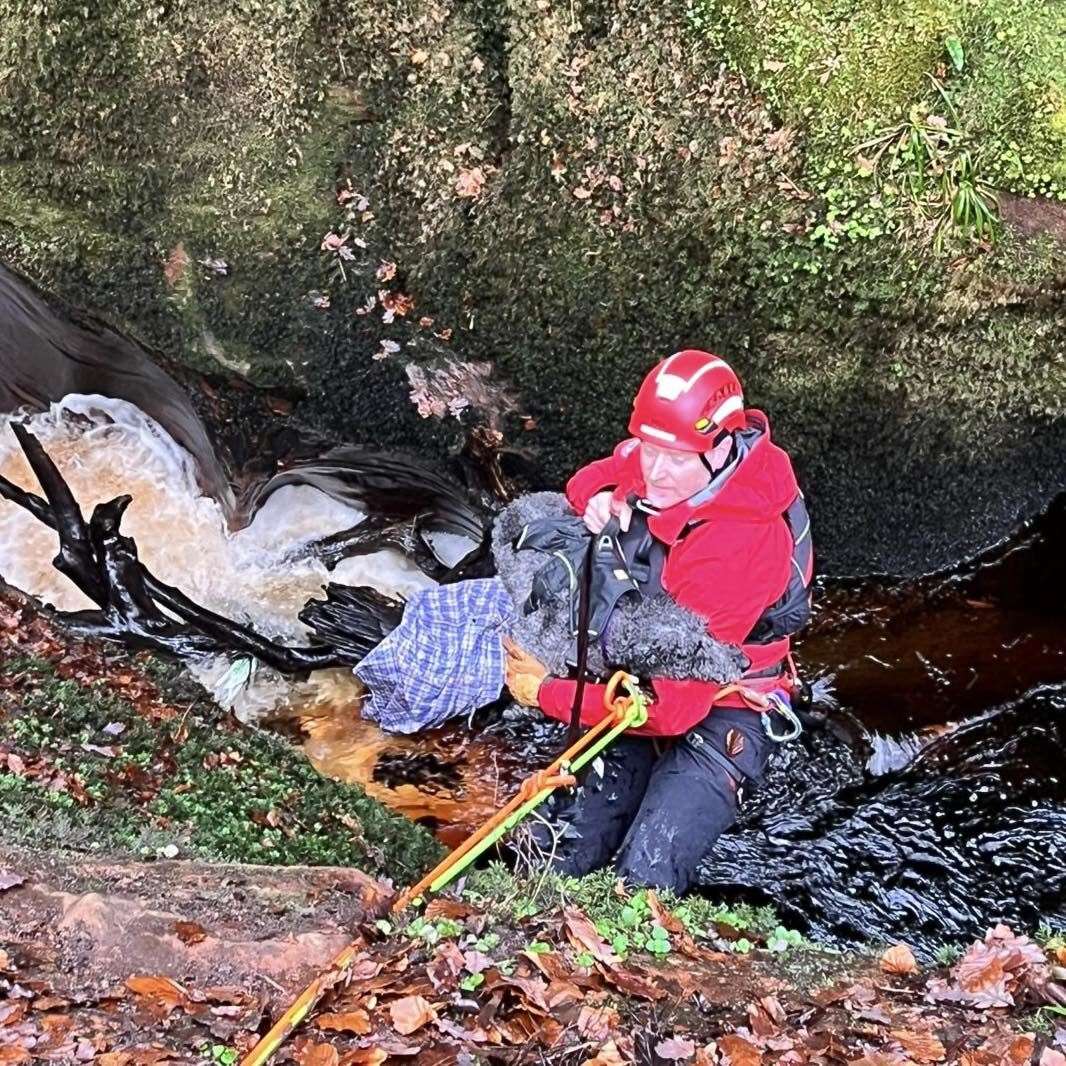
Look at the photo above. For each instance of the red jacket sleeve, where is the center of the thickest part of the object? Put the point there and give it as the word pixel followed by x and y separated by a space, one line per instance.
pixel 599 475
pixel 677 707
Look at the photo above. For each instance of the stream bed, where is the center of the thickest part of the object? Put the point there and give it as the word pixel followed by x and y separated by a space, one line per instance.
pixel 931 802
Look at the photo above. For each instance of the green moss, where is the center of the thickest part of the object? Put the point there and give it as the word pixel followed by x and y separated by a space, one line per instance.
pixel 833 67
pixel 103 777
pixel 843 72
pixel 1013 92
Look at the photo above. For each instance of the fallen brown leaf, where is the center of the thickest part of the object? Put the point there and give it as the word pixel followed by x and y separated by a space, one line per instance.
pixel 49 1003
pixel 12 1013
pixel 922 1047
pixel 190 932
pixel 391 1046
pixel 632 983
pixel 1050 1057
pixel 446 966
pixel 550 963
pixel 675 1048
pixel 476 961
pixel 1013 1050
pixel 661 915
pixel 561 994
pixel 583 935
pixel 881 1058
pixel 355 1021
pixel 367 1056
pixel 994 972
pixel 161 992
pixel 534 989
pixel 766 1017
pixel 410 1013
pixel 861 1000
pixel 447 908
pixel 473 1033
pixel 597 1023
pixel 899 959
pixel 520 1028
pixel 738 1051
pixel 608 1055
pixel 318 1055
pixel 470 182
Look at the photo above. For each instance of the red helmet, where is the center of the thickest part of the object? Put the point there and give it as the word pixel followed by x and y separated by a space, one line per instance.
pixel 687 401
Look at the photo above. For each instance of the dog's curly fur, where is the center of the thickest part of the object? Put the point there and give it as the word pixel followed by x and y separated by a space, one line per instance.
pixel 651 638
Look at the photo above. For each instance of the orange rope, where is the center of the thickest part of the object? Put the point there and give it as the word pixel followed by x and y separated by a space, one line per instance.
pixel 755 701
pixel 552 772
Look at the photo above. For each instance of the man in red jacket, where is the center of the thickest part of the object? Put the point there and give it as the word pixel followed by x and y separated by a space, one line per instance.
pixel 722 499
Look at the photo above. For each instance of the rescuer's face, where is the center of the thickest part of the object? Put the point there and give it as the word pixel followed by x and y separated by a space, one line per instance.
pixel 670 475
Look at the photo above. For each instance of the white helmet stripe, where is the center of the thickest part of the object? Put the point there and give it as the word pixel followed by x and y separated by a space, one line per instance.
pixel 727 407
pixel 669 386
pixel 662 434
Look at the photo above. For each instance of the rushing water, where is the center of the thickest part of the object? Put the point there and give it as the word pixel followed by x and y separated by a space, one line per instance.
pixel 106 447
pixel 932 802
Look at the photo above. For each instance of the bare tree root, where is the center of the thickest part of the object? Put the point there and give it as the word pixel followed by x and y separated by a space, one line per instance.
pixel 133 607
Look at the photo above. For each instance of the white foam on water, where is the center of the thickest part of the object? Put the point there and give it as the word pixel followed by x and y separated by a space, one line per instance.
pixel 106 447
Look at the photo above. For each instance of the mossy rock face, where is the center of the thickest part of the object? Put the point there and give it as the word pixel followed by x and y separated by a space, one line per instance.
pixel 98 776
pixel 570 192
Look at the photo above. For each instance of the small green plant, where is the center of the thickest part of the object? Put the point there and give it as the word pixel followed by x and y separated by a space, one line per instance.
pixel 911 150
pixel 220 1053
pixel 472 982
pixel 947 954
pixel 625 919
pixel 448 928
pixel 658 942
pixel 954 49
pixel 926 157
pixel 526 908
pixel 1050 939
pixel 781 939
pixel 969 202
pixel 1044 1020
pixel 487 942
pixel 432 932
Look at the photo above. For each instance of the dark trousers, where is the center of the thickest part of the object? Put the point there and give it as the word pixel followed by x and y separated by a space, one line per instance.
pixel 658 806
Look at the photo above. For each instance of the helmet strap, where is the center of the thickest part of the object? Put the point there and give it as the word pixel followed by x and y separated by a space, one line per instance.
pixel 719 437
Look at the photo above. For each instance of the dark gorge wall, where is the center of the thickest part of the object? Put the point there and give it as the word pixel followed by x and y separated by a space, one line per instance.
pixel 320 196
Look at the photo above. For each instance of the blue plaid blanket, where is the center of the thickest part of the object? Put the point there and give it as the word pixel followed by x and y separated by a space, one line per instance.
pixel 445 659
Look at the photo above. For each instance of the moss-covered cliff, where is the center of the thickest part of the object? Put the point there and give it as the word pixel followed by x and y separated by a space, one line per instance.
pixel 570 191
